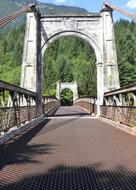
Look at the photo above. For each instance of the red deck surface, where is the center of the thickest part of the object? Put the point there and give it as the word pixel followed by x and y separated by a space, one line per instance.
pixel 69 154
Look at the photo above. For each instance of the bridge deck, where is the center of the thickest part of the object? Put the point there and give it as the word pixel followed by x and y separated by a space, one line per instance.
pixel 69 153
pixel 71 111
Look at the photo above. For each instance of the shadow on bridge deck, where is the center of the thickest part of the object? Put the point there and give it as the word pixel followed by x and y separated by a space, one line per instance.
pixel 64 177
pixel 69 111
pixel 69 154
pixel 18 151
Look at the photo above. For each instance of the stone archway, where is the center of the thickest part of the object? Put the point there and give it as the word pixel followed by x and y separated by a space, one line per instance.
pixel 97 29
pixel 45 44
pixel 65 85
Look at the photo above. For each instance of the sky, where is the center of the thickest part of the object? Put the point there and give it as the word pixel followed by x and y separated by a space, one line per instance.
pixel 95 5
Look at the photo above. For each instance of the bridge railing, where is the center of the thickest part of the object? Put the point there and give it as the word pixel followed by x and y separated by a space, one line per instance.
pixel 50 103
pixel 120 105
pixel 18 106
pixel 87 102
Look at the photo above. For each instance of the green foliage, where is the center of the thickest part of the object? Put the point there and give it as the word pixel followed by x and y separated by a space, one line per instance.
pixel 125 33
pixel 63 69
pixel 66 97
pixel 11 49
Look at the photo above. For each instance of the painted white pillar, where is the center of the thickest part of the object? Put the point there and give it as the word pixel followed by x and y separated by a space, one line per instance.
pixel 58 90
pixel 111 74
pixel 100 86
pixel 29 62
pixel 75 91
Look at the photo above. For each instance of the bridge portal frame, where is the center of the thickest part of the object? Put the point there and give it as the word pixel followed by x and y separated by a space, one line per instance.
pixel 97 29
pixel 67 85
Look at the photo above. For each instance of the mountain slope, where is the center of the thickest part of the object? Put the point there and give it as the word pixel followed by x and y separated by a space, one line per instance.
pixel 47 8
pixel 9 6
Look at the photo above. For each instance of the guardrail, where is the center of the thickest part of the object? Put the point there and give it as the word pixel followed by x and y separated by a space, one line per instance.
pixel 18 106
pixel 50 102
pixel 87 102
pixel 120 105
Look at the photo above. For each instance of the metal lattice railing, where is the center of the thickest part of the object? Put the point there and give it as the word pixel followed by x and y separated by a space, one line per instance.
pixel 89 103
pixel 120 105
pixel 23 106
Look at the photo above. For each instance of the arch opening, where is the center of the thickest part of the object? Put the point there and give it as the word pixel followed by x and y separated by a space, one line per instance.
pixel 81 35
pixel 66 97
pixel 67 59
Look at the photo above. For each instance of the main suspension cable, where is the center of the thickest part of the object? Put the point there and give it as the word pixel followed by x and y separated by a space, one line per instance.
pixel 5 20
pixel 124 12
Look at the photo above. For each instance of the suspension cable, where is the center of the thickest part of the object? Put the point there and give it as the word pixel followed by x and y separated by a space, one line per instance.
pixel 126 13
pixel 5 20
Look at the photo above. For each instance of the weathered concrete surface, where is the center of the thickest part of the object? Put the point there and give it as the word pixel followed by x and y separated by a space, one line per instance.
pixel 69 154
pixel 98 30
pixel 29 62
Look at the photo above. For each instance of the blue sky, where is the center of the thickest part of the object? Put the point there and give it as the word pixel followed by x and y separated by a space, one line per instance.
pixel 95 5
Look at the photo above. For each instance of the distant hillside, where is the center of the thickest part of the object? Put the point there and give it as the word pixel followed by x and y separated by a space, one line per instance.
pixel 47 8
pixel 9 6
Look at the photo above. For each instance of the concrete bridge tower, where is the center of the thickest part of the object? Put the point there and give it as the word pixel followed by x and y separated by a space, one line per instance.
pixel 97 29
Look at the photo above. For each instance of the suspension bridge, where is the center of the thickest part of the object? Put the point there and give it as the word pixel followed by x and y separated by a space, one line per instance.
pixel 44 145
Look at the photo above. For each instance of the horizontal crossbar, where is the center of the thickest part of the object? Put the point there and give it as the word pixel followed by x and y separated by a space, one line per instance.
pixel 13 88
pixel 122 90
